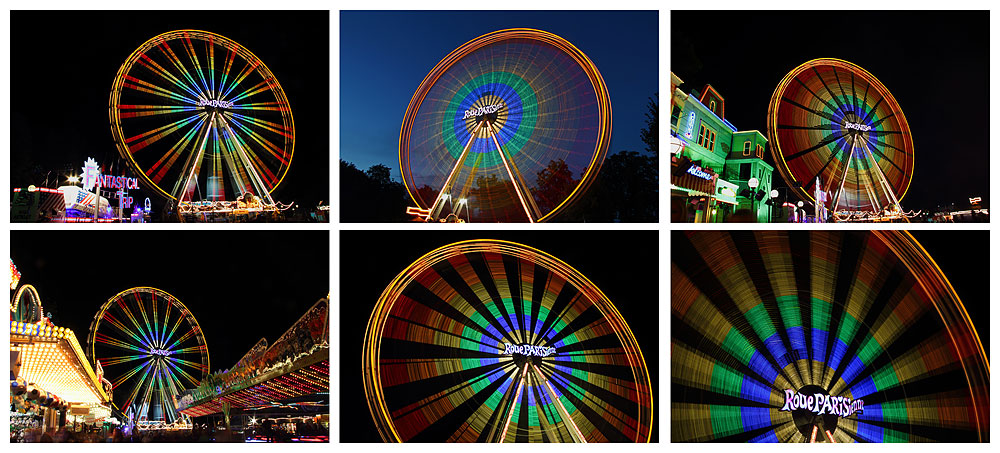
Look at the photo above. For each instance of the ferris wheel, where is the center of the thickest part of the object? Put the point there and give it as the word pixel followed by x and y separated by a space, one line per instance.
pixel 493 341
pixel 151 348
pixel 201 119
pixel 831 121
pixel 510 127
pixel 26 306
pixel 864 321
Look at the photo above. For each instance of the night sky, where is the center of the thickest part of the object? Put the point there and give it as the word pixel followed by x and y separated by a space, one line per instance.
pixel 64 63
pixel 376 257
pixel 935 63
pixel 385 55
pixel 239 285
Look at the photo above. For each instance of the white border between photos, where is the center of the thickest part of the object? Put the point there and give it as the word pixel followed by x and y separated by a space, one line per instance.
pixel 664 226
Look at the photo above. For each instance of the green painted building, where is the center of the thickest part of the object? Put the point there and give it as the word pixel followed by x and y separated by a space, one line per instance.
pixel 702 137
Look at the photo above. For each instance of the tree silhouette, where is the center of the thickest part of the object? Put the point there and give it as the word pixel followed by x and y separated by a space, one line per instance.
pixel 555 182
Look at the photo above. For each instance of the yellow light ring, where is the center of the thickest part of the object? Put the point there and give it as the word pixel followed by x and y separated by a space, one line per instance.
pixel 772 118
pixel 96 322
pixel 376 323
pixel 36 301
pixel 113 114
pixel 596 80
pixel 961 330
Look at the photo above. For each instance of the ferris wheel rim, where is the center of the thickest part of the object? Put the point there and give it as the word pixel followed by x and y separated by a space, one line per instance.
pixel 99 316
pixel 376 323
pixel 594 76
pixel 772 118
pixel 116 89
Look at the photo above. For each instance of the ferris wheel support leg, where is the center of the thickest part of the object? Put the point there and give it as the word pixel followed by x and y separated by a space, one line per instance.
pixel 517 396
pixel 885 182
pixel 435 209
pixel 513 180
pixel 843 179
pixel 255 178
pixel 182 187
pixel 574 431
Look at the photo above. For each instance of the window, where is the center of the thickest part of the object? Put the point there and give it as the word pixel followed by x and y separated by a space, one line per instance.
pixel 745 172
pixel 675 116
pixel 706 137
pixel 760 152
pixel 746 148
pixel 711 106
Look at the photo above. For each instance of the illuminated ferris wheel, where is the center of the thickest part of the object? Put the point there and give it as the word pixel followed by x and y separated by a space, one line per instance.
pixel 493 341
pixel 820 337
pixel 201 119
pixel 832 122
pixel 509 127
pixel 151 348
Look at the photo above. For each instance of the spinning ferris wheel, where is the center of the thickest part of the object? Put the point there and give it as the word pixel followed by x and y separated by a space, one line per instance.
pixel 202 120
pixel 492 341
pixel 509 127
pixel 820 336
pixel 832 122
pixel 151 348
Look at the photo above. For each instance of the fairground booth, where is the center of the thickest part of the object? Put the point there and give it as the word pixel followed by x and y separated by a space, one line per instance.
pixel 277 392
pixel 53 388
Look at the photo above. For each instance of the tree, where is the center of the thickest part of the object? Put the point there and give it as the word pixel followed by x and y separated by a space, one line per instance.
pixel 650 134
pixel 371 195
pixel 555 182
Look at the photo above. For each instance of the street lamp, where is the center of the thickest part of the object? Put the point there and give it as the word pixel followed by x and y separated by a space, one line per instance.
pixel 800 204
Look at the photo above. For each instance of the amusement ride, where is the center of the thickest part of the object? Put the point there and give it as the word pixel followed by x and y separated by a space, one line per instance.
pixel 152 348
pixel 204 123
pixel 511 126
pixel 494 341
pixel 833 124
pixel 820 336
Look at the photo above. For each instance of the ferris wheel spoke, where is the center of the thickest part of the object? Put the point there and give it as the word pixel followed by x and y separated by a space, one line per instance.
pixel 150 88
pixel 884 144
pixel 451 275
pixel 411 397
pixel 121 327
pixel 883 156
pixel 813 93
pixel 871 113
pixel 828 90
pixel 877 123
pixel 188 182
pixel 116 343
pixel 112 361
pixel 814 112
pixel 270 147
pixel 155 68
pixel 592 410
pixel 123 305
pixel 140 141
pixel 822 143
pixel 159 169
pixel 459 414
pixel 211 65
pixel 136 111
pixel 250 161
pixel 261 87
pixel 178 370
pixel 442 332
pixel 260 106
pixel 176 62
pixel 818 127
pixel 247 70
pixel 271 126
pixel 230 57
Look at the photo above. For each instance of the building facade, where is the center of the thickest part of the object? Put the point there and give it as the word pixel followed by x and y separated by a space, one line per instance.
pixel 713 163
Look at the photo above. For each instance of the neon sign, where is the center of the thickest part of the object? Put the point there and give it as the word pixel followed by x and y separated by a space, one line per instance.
pixel 484 110
pixel 690 127
pixel 161 352
pixel 90 173
pixel 695 170
pixel 528 350
pixel 821 404
pixel 215 103
pixel 858 126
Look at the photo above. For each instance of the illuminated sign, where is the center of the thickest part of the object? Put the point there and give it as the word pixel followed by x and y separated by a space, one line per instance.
pixel 975 200
pixel 697 171
pixel 690 128
pixel 161 352
pixel 90 173
pixel 215 103
pixel 528 350
pixel 484 110
pixel 119 182
pixel 727 191
pixel 821 404
pixel 858 126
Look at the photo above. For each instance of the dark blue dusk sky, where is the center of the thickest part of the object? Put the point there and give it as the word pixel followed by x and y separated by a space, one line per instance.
pixel 384 55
